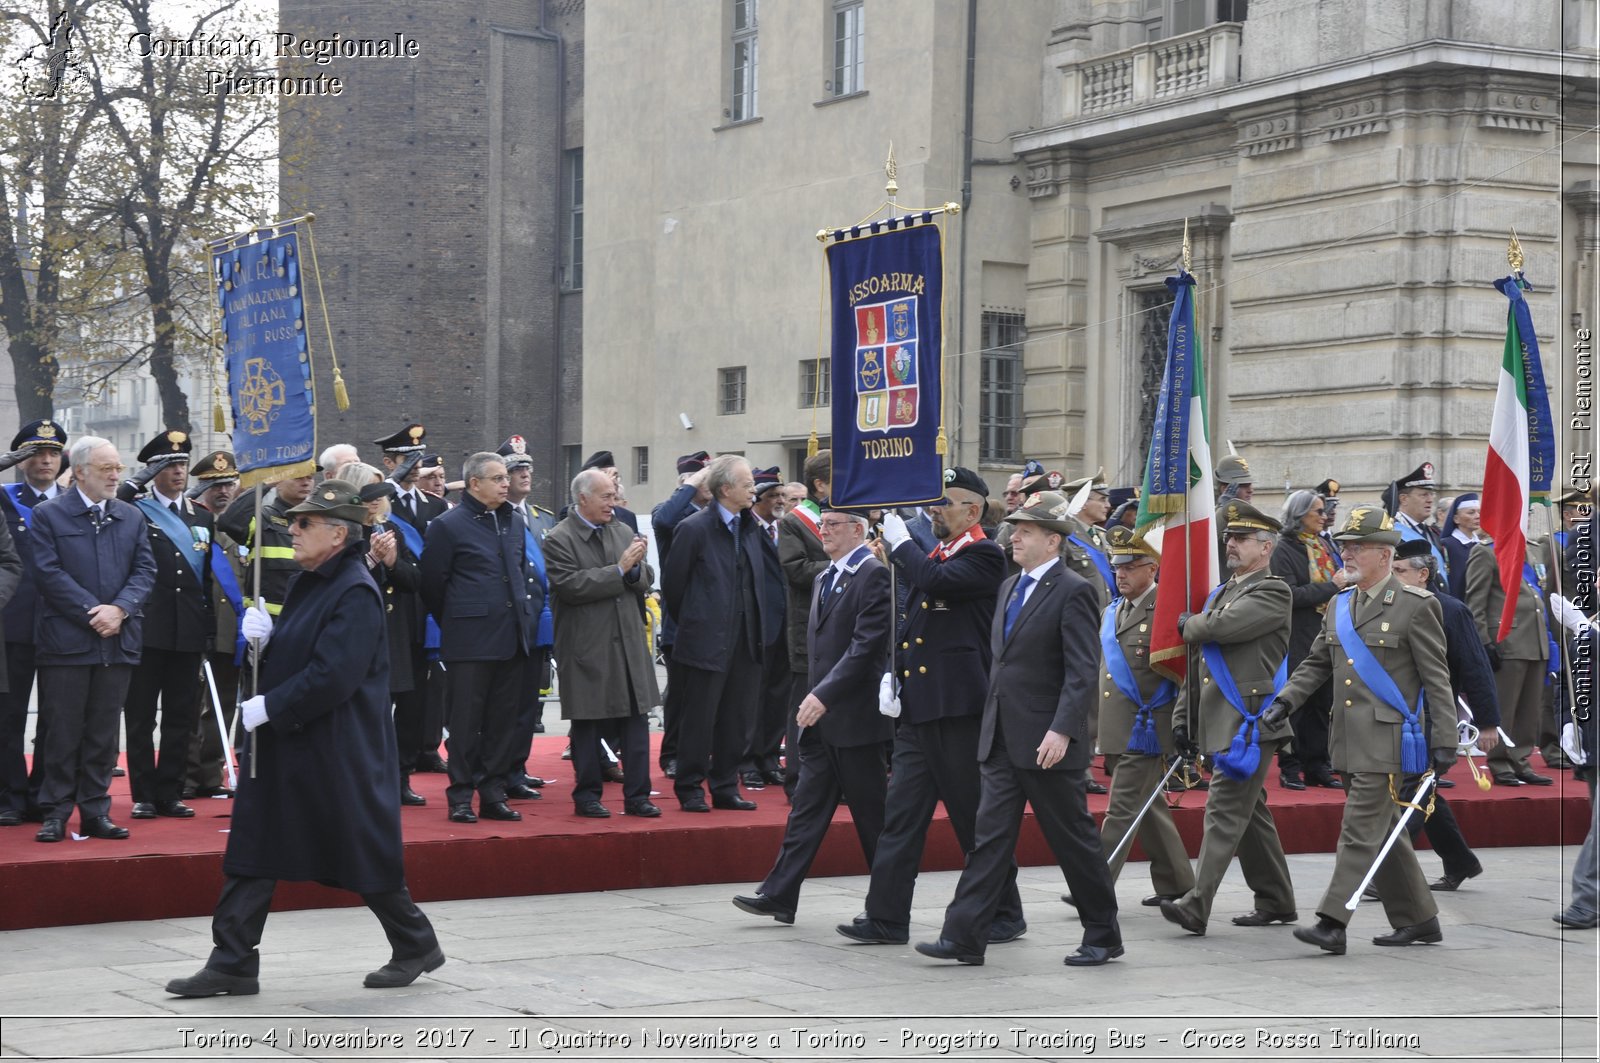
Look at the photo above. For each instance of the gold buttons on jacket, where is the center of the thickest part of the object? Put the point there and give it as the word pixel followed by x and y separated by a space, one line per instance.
pixel 1106 694
pixel 919 642
pixel 906 673
pixel 905 645
pixel 1348 703
pixel 1349 660
pixel 1347 682
pixel 922 669
pixel 924 605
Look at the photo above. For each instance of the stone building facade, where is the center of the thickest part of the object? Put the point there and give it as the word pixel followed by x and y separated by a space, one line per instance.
pixel 445 222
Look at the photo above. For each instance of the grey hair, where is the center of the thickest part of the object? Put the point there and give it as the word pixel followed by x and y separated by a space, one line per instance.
pixel 719 474
pixel 358 472
pixel 353 529
pixel 584 483
pixel 82 447
pixel 475 466
pixel 1295 508
pixel 326 460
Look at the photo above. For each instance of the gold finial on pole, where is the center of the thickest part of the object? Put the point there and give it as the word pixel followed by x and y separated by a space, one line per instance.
pixel 890 170
pixel 1188 248
pixel 1514 251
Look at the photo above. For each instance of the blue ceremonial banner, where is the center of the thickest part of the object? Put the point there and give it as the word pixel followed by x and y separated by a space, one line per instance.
pixel 1168 472
pixel 1541 430
pixel 263 334
pixel 888 317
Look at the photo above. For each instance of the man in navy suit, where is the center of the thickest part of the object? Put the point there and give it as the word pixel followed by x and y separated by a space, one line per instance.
pixel 94 570
pixel 1033 743
pixel 843 734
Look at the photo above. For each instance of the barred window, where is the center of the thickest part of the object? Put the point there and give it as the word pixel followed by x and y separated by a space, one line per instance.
pixel 731 390
pixel 641 465
pixel 1000 388
pixel 1152 309
pixel 847 40
pixel 742 106
pixel 816 382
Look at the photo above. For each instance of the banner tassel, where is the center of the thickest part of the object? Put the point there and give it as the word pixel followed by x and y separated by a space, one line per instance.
pixel 811 444
pixel 941 445
pixel 219 423
pixel 341 394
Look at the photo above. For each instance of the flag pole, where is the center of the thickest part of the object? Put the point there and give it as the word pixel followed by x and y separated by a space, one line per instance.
pixel 1191 690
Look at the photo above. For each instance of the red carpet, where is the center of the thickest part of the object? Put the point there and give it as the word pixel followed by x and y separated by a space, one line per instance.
pixel 173 868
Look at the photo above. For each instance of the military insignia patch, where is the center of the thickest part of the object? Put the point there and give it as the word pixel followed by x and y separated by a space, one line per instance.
pixel 886 385
pixel 1388 598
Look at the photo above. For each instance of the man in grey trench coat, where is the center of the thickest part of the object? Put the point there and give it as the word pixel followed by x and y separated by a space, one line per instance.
pixel 598 576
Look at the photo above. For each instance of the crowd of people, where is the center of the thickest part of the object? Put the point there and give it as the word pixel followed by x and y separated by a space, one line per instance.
pixel 972 651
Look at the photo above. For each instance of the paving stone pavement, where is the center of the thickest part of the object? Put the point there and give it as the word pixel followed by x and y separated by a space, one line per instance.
pixel 679 973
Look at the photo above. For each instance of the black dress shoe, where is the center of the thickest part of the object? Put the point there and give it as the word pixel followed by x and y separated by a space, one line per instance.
pixel 695 804
pixel 759 905
pixel 432 762
pixel 613 774
pixel 1444 784
pixel 592 809
pixel 1067 898
pixel 1424 933
pixel 1256 917
pixel 1291 781
pixel 499 810
pixel 1324 778
pixel 1155 899
pixel 773 777
pixel 1095 787
pixel 462 814
pixel 538 728
pixel 945 950
pixel 209 983
pixel 174 810
pixel 644 809
pixel 54 830
pixel 10 818
pixel 874 932
pixel 1093 956
pixel 397 973
pixel 1449 883
pixel 1002 931
pixel 1173 914
pixel 523 793
pixel 669 767
pixel 1505 778
pixel 119 772
pixel 566 754
pixel 1529 777
pixel 143 810
pixel 753 780
pixel 1325 935
pixel 410 797
pixel 536 783
pixel 733 804
pixel 102 827
pixel 1576 920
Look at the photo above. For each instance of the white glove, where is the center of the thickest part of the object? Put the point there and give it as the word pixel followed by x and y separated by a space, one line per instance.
pixel 894 529
pixel 1568 615
pixel 257 624
pixel 253 713
pixel 1572 744
pixel 888 702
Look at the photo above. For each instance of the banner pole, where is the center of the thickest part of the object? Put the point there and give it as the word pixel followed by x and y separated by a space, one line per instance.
pixel 255 648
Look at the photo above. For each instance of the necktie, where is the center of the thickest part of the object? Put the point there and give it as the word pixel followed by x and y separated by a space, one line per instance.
pixel 827 587
pixel 733 529
pixel 772 533
pixel 174 507
pixel 1014 607
pixel 97 517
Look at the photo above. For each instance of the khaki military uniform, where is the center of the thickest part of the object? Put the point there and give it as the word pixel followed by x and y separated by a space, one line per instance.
pixel 1524 655
pixel 1404 628
pixel 1134 776
pixel 1249 620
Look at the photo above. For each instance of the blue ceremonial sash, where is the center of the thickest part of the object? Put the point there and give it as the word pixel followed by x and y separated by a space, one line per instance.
pixel 1100 563
pixel 1243 756
pixel 1413 747
pixel 430 626
pixel 24 511
pixel 1143 737
pixel 177 531
pixel 547 623
pixel 1411 535
pixel 230 590
pixel 1553 665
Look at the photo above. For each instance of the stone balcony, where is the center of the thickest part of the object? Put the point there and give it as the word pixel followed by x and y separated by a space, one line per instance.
pixel 1150 73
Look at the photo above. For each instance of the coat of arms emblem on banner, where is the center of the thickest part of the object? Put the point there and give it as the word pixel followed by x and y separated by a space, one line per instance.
pixel 886 365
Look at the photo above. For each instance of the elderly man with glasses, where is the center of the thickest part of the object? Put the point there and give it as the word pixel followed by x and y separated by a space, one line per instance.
pixel 94 570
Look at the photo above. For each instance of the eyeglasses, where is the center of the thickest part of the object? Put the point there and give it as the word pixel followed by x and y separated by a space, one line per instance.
pixel 109 469
pixel 836 523
pixel 501 479
pixel 306 522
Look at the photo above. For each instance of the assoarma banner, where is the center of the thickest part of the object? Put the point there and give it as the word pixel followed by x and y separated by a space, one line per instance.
pixel 888 315
pixel 264 347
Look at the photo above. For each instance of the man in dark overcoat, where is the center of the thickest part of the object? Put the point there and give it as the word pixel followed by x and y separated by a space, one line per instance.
pixel 843 735
pixel 598 576
pixel 316 788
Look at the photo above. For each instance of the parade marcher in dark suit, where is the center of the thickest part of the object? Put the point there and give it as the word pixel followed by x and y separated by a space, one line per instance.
pixel 1409 500
pixel 690 498
pixel 93 569
pixel 475 581
pixel 1382 643
pixel 178 627
pixel 1471 680
pixel 803 557
pixel 1458 536
pixel 843 734
pixel 1303 561
pixel 318 802
pixel 598 575
pixel 214 483
pixel 1136 723
pixel 38 450
pixel 943 668
pixel 1242 635
pixel 715 584
pixel 1520 661
pixel 761 763
pixel 519 467
pixel 1033 744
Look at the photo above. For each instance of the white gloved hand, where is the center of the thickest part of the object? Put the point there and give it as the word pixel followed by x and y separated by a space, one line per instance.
pixel 1572 744
pixel 253 712
pixel 1568 615
pixel 894 529
pixel 257 624
pixel 888 701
